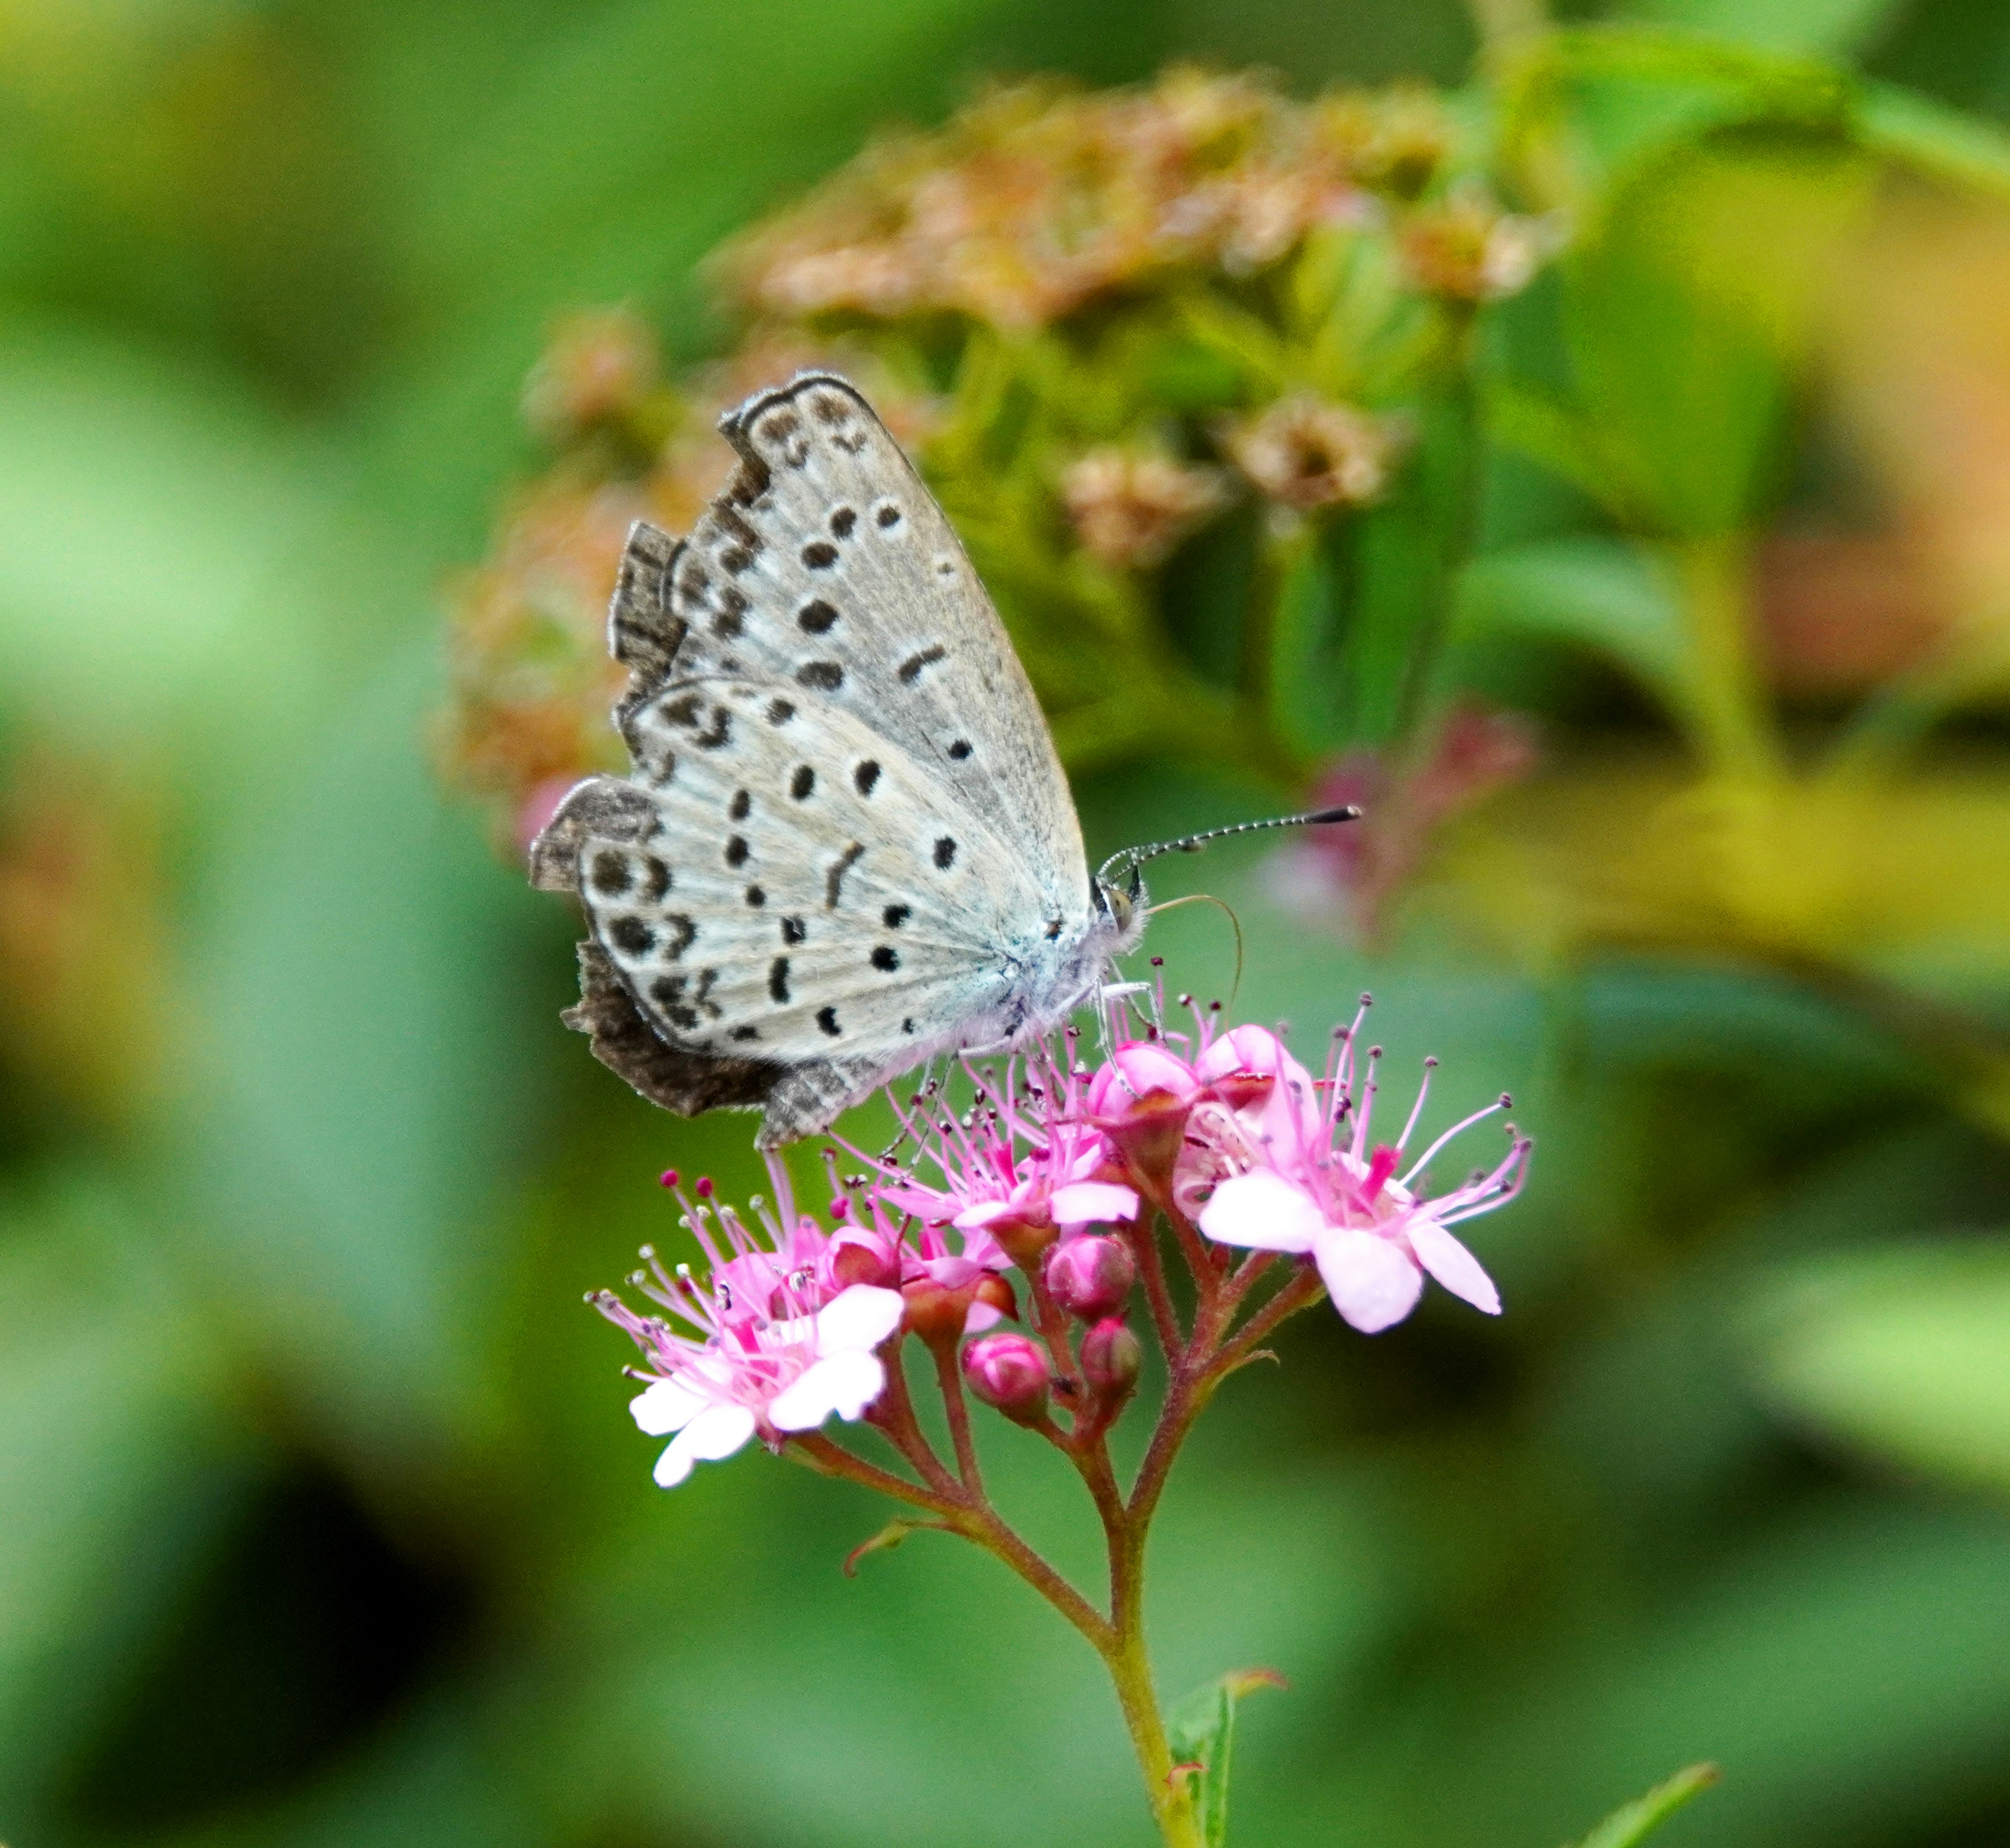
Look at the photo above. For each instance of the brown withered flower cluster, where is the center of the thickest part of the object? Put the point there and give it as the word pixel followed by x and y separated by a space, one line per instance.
pixel 1099 320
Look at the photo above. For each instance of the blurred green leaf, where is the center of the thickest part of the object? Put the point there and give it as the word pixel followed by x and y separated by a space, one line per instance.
pixel 1935 142
pixel 1361 600
pixel 1832 26
pixel 1614 599
pixel 1903 1353
pixel 369 1073
pixel 1635 1822
pixel 1583 111
pixel 1200 1730
pixel 1689 311
pixel 121 1457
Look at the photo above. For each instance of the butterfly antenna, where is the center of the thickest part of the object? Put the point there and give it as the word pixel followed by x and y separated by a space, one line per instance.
pixel 1130 858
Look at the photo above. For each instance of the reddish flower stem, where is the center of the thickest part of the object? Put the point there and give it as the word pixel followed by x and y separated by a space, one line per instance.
pixel 948 1377
pixel 1196 1363
pixel 894 1415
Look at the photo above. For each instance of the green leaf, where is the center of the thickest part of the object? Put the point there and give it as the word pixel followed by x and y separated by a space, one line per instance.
pixel 1690 307
pixel 1937 142
pixel 1635 1822
pixel 1905 1353
pixel 1831 26
pixel 886 1540
pixel 1201 1731
pixel 1362 601
pixel 1606 595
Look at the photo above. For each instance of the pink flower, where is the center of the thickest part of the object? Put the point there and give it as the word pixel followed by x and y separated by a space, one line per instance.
pixel 769 1345
pixel 1298 1176
pixel 1023 1167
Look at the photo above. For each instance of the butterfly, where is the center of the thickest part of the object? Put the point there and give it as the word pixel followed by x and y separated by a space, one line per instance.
pixel 846 846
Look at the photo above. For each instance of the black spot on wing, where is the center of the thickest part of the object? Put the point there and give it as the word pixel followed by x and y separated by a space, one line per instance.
pixel 780 712
pixel 910 668
pixel 866 775
pixel 778 980
pixel 756 896
pixel 656 879
pixel 611 876
pixel 825 677
pixel 731 619
pixel 886 516
pixel 834 880
pixel 959 750
pixel 886 958
pixel 827 1019
pixel 842 521
pixel 816 617
pixel 737 851
pixel 895 916
pixel 946 853
pixel 741 803
pixel 802 783
pixel 631 937
pixel 793 930
pixel 819 555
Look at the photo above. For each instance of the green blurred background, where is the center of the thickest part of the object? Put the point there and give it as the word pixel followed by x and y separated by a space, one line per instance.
pixel 320 1520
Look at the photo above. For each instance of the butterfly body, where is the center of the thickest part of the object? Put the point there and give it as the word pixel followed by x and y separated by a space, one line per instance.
pixel 846 845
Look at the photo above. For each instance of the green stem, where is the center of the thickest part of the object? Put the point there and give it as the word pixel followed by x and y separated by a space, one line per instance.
pixel 1129 1668
pixel 1737 736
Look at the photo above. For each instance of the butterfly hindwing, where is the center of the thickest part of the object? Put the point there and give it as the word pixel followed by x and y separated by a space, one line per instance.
pixel 780 888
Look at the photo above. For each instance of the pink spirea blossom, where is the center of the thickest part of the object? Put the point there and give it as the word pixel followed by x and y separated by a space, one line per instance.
pixel 771 1344
pixel 1290 1168
pixel 1025 1161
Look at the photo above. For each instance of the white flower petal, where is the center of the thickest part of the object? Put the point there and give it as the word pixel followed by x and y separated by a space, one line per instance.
pixel 857 1319
pixel 1084 1203
pixel 1371 1280
pixel 1451 1263
pixel 664 1406
pixel 1263 1210
pixel 845 1384
pixel 717 1431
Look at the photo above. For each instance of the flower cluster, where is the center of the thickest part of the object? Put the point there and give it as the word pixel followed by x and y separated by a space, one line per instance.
pixel 1099 321
pixel 1056 1171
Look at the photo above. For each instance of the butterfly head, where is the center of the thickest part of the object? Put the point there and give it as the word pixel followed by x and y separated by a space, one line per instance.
pixel 1119 895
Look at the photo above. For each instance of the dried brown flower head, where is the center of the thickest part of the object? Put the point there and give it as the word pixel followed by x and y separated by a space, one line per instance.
pixel 1130 508
pixel 1396 142
pixel 1306 452
pixel 601 368
pixel 1466 248
pixel 1036 199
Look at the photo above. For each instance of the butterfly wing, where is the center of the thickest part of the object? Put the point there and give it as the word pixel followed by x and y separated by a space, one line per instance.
pixel 794 908
pixel 847 838
pixel 826 565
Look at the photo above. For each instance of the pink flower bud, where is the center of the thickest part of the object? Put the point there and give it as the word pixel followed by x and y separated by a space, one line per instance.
pixel 1008 1371
pixel 1110 1357
pixel 855 1260
pixel 1090 1277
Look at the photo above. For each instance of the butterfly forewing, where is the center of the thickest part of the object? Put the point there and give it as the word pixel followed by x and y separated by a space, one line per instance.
pixel 827 567
pixel 847 843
